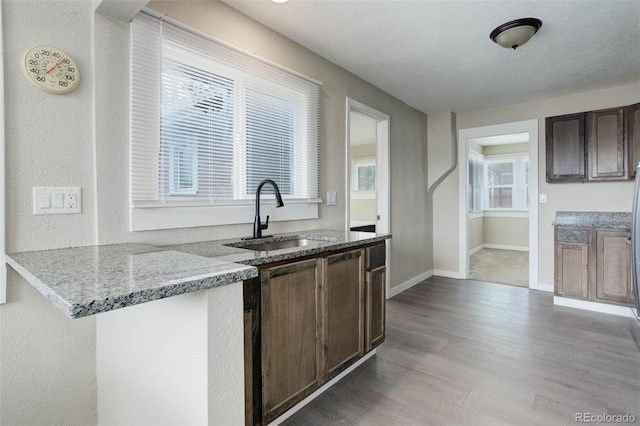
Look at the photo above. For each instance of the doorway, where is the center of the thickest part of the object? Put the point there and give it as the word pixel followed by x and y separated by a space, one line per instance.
pixel 367 173
pixel 504 172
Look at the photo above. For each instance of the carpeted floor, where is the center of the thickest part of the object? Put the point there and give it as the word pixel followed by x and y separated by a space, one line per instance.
pixel 500 266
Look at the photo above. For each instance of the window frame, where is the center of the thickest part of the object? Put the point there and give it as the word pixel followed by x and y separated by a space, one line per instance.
pixel 147 214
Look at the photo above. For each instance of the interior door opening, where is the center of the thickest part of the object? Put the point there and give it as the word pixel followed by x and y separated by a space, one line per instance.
pixel 499 202
pixel 367 173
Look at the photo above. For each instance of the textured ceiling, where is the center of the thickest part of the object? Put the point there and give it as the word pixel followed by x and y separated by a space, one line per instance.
pixel 437 56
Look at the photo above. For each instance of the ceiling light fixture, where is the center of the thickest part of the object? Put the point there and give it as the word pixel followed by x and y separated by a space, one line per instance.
pixel 515 33
pixel 279 1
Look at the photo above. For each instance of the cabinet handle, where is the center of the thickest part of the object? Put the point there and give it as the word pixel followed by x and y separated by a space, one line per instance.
pixel 628 240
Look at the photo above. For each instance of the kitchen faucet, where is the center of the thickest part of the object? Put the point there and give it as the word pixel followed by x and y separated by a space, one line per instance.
pixel 258 226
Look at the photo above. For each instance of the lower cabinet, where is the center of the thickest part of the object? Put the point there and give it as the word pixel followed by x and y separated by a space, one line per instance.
pixel 290 326
pixel 343 316
pixel 613 276
pixel 307 321
pixel 593 264
pixel 375 296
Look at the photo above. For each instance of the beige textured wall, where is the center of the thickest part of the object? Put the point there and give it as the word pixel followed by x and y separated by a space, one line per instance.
pixel 476 232
pixel 511 148
pixel 444 196
pixel 47 361
pixel 506 231
pixel 594 196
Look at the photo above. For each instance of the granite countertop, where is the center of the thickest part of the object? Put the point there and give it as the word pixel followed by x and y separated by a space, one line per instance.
pixel 319 241
pixel 89 280
pixel 593 219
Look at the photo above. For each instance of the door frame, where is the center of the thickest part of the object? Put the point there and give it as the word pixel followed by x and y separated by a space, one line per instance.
pixel 383 175
pixel 528 126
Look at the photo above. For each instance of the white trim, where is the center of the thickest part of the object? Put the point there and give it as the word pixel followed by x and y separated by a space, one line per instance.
pixel 505 213
pixel 506 247
pixel 408 284
pixel 530 126
pixel 323 388
pixel 542 287
pixel 3 263
pixel 383 174
pixel 605 308
pixel 447 274
pixel 498 247
pixel 146 219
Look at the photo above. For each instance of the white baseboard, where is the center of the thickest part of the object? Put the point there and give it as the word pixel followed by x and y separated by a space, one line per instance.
pixel 323 388
pixel 623 311
pixel 476 249
pixel 446 274
pixel 542 287
pixel 410 283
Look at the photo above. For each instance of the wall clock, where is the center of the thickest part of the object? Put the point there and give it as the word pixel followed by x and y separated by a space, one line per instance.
pixel 50 69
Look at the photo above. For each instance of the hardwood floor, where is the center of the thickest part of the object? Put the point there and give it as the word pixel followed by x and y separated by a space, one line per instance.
pixel 474 353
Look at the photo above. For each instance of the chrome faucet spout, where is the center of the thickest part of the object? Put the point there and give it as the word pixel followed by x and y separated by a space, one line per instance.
pixel 258 226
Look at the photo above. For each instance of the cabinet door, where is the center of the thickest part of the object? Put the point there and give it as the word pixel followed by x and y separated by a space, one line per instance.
pixel 290 350
pixel 565 148
pixel 607 148
pixel 375 307
pixel 572 270
pixel 613 275
pixel 343 305
pixel 633 137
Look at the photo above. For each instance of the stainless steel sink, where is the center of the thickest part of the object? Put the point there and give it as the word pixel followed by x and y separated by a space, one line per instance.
pixel 278 245
pixel 270 244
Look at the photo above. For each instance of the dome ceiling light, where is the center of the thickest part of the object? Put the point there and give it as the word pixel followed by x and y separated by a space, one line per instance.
pixel 515 33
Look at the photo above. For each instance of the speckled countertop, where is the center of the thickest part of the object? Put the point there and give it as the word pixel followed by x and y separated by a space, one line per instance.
pixel 593 219
pixel 85 281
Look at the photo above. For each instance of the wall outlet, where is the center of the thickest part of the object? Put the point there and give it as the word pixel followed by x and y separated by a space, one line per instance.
pixel 56 200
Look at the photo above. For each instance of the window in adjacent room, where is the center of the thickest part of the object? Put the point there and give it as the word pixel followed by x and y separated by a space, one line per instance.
pixel 209 122
pixel 498 182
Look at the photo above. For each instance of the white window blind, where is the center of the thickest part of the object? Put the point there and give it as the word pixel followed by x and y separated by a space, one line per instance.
pixel 208 122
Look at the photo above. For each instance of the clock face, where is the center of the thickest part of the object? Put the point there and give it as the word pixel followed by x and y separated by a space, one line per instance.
pixel 50 69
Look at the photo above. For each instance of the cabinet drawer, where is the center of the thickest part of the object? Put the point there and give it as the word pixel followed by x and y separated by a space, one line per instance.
pixel 571 235
pixel 375 256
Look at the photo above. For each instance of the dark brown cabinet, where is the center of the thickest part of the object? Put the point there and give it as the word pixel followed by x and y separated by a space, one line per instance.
pixel 566 148
pixel 607 147
pixel 343 318
pixel 593 146
pixel 633 136
pixel 290 326
pixel 613 276
pixel 572 262
pixel 593 264
pixel 375 296
pixel 306 322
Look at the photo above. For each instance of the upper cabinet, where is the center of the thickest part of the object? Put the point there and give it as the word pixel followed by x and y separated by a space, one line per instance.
pixel 633 137
pixel 593 146
pixel 566 148
pixel 607 148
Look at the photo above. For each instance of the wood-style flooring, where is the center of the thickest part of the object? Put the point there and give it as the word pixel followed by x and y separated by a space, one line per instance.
pixel 474 353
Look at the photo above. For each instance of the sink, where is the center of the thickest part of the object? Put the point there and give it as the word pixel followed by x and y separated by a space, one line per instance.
pixel 279 244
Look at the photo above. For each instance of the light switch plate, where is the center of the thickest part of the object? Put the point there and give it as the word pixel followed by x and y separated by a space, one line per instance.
pixel 56 200
pixel 543 198
pixel 331 198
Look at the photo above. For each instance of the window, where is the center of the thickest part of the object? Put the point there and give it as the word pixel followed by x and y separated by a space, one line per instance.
pixel 364 174
pixel 499 182
pixel 208 123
